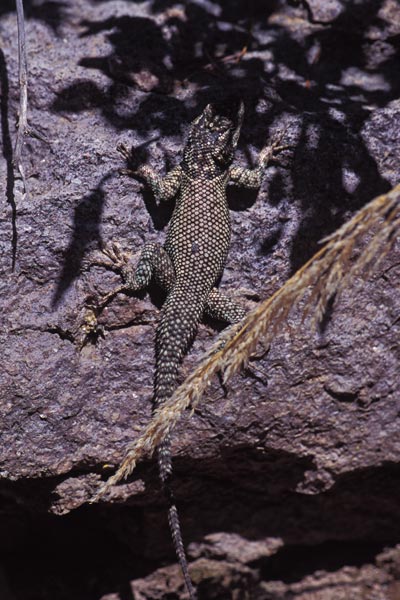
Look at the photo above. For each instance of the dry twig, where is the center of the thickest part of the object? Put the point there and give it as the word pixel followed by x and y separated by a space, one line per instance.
pixel 23 93
pixel 323 276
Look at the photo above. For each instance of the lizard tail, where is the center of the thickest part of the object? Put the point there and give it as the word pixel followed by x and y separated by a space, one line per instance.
pixel 176 329
pixel 165 468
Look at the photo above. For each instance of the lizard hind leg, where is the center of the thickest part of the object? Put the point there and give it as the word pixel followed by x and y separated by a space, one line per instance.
pixel 223 308
pixel 153 262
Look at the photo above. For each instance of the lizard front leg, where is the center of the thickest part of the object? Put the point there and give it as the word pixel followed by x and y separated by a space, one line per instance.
pixel 252 178
pixel 163 188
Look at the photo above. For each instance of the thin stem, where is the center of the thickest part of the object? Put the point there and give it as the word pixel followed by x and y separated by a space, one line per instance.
pixel 23 94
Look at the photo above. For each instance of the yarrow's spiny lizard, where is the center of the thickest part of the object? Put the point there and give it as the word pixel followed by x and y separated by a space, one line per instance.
pixel 189 264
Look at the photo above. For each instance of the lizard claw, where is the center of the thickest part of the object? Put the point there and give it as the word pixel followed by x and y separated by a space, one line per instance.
pixel 104 300
pixel 90 260
pixel 120 262
pixel 128 172
pixel 127 155
pixel 123 150
pixel 114 252
pixel 89 327
pixel 109 256
pixel 139 173
pixel 269 153
pixel 96 303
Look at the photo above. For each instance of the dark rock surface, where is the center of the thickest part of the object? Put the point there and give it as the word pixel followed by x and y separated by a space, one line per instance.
pixel 288 481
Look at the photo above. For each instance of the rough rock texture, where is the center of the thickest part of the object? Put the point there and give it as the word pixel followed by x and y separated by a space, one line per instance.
pixel 288 480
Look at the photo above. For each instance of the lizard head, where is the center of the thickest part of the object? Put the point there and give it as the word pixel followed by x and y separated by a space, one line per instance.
pixel 212 139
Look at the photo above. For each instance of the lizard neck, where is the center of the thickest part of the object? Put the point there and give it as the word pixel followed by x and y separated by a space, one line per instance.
pixel 202 165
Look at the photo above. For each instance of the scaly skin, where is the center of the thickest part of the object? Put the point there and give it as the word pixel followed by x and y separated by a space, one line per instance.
pixel 190 263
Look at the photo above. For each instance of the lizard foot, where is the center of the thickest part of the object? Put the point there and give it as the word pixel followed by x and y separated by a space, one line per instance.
pixel 98 303
pixel 143 172
pixel 125 153
pixel 111 256
pixel 88 328
pixel 269 153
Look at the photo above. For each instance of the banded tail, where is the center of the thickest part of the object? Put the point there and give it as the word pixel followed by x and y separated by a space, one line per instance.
pixel 177 327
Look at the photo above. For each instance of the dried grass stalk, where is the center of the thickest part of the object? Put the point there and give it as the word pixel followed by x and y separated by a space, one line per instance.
pixel 323 276
pixel 23 93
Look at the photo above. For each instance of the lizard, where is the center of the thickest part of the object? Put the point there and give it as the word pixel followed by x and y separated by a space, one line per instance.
pixel 188 265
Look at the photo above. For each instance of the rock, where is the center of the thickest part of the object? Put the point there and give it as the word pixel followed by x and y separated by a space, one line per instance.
pixel 287 479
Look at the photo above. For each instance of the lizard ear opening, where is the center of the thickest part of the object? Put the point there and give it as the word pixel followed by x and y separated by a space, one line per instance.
pixel 240 115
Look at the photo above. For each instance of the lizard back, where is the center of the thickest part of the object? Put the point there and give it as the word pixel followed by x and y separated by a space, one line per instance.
pixel 199 234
